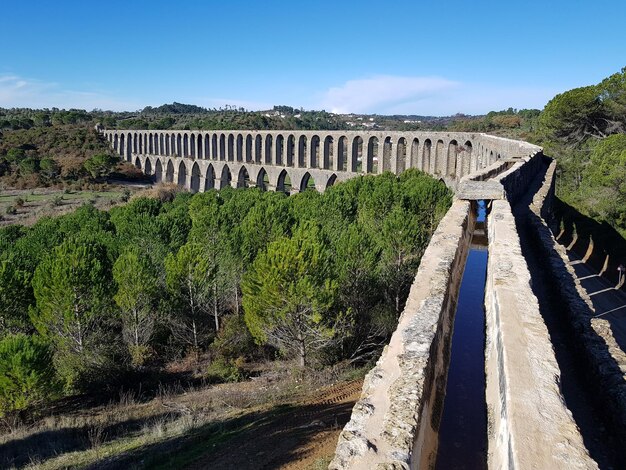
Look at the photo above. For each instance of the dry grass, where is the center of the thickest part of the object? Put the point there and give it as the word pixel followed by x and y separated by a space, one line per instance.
pixel 43 202
pixel 85 437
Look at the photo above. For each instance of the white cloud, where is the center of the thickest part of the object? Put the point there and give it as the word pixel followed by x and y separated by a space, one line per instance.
pixel 379 93
pixel 436 96
pixel 19 92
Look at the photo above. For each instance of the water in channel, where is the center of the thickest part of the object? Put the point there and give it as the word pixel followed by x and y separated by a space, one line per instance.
pixel 463 428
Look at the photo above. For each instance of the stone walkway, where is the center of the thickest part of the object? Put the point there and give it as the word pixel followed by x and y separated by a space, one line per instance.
pixel 609 303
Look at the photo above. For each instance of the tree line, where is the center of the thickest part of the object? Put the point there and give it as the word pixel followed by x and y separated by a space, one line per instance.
pixel 585 129
pixel 229 275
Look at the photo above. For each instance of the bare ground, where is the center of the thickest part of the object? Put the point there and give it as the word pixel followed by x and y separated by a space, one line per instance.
pixel 282 418
pixel 304 436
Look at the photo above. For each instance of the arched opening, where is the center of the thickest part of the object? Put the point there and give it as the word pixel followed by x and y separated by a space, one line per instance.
pixel 231 148
pixel 225 178
pixel 116 143
pixel 307 183
pixel 161 144
pixel 263 180
pixel 120 145
pixel 137 163
pixel 284 182
pixel 239 148
pixel 491 159
pixel 192 145
pixel 169 173
pixel 342 154
pixel 249 155
pixel 302 152
pixel 214 154
pixel 150 145
pixel 426 156
pixel 135 149
pixel 148 167
pixel 387 152
pixel 331 181
pixel 258 147
pixel 371 165
pixel 464 163
pixel 129 147
pixel 200 146
pixel 401 156
pixel 158 171
pixel 185 146
pixel 327 154
pixel 207 147
pixel 182 174
pixel 453 150
pixel 440 166
pixel 415 160
pixel 356 162
pixel 179 146
pixel 195 178
pixel 280 146
pixel 243 179
pixel 268 149
pixel 314 160
pixel 209 180
pixel 222 147
pixel 291 147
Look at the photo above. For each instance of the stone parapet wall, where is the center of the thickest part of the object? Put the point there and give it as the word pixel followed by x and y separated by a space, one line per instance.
pixel 503 179
pixel 510 148
pixel 395 422
pixel 603 357
pixel 517 179
pixel 529 426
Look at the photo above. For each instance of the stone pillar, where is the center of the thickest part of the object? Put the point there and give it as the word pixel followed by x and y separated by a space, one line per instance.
pixel 336 153
pixel 263 148
pixel 381 155
pixel 188 179
pixel 393 156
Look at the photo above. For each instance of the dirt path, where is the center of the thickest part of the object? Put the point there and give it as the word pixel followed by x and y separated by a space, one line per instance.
pixel 302 436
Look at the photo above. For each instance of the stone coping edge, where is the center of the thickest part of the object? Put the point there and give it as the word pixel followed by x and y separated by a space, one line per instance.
pixel 529 425
pixel 395 422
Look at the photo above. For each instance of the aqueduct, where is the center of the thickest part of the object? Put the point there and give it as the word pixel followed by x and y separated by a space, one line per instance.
pixel 396 421
pixel 295 160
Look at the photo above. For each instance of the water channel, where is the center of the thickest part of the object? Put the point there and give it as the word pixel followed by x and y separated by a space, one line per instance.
pixel 463 428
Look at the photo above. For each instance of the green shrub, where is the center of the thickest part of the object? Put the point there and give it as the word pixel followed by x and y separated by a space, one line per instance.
pixel 125 195
pixel 58 200
pixel 19 202
pixel 26 373
pixel 222 370
pixel 11 210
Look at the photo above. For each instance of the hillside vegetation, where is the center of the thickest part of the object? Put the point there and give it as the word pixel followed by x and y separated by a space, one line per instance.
pixel 103 298
pixel 585 129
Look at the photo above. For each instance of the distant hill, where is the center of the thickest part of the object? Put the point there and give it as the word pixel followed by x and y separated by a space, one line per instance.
pixel 175 108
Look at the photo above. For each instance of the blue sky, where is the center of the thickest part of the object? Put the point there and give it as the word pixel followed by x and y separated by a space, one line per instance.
pixel 434 57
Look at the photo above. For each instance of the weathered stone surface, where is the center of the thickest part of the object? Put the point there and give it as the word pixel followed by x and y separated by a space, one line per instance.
pixel 200 160
pixel 476 190
pixel 529 425
pixel 391 425
pixel 605 360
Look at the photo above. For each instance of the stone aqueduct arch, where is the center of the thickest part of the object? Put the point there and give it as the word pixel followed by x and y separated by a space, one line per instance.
pixel 276 160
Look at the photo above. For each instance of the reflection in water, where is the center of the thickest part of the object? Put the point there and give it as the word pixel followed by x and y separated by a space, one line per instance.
pixel 463 429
